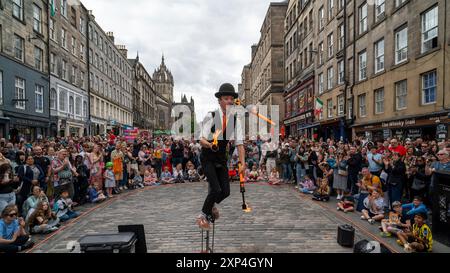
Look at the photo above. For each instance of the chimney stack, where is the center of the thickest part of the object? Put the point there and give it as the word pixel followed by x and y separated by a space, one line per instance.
pixel 110 35
pixel 123 49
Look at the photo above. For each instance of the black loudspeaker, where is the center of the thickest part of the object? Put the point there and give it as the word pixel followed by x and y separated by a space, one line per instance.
pixel 138 230
pixel 346 236
pixel 441 207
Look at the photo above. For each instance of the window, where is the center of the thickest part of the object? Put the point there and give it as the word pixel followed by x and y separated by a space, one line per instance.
pixel 363 18
pixel 73 17
pixel 18 9
pixel 1 87
pixel 85 109
pixel 430 29
pixel 401 45
pixel 62 101
pixel 52 63
pixel 401 91
pixel 19 93
pixel 81 52
pixel 362 105
pixel 399 2
pixel 19 47
pixel 379 56
pixel 362 65
pixel 64 38
pixel 38 58
pixel 37 18
pixel 74 46
pixel 429 87
pixel 379 10
pixel 321 53
pixel 71 105
pixel 321 18
pixel 341 41
pixel 341 4
pixel 350 108
pixel 340 105
pixel 64 8
pixel 39 99
pixel 321 87
pixel 330 9
pixel 64 70
pixel 78 106
pixel 53 99
pixel 341 72
pixel 82 27
pixel 379 101
pixel 330 46
pixel 82 80
pixel 330 73
pixel 52 29
pixel 73 75
pixel 330 108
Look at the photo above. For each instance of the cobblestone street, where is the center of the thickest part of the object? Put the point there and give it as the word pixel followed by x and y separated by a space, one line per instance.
pixel 281 221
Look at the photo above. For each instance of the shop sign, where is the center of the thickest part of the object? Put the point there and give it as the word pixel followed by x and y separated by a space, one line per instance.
pixel 399 123
pixel 387 133
pixel 414 133
pixel 441 131
pixel 398 133
pixel 369 135
pixel 299 118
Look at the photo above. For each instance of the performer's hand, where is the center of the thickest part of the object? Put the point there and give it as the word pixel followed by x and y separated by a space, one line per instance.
pixel 242 169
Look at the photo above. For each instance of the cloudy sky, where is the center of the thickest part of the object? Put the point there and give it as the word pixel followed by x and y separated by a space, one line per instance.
pixel 205 42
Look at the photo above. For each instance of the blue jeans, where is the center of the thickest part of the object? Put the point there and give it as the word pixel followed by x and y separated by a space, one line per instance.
pixel 7 199
pixel 124 180
pixel 300 173
pixel 287 171
pixel 69 215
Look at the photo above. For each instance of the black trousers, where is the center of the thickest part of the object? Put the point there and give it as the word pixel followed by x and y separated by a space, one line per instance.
pixel 14 247
pixel 219 185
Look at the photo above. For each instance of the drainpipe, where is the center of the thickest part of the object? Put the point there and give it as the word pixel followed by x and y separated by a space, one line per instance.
pixel 343 119
pixel 48 67
pixel 354 63
pixel 445 56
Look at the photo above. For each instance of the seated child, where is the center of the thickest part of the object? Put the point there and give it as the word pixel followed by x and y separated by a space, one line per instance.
pixel 110 182
pixel 136 179
pixel 375 208
pixel 193 176
pixel 274 177
pixel 63 208
pixel 396 222
pixel 150 177
pixel 94 195
pixel 43 220
pixel 166 177
pixel 415 207
pixel 420 239
pixel 307 186
pixel 263 177
pixel 178 174
pixel 347 202
pixel 323 192
pixel 253 174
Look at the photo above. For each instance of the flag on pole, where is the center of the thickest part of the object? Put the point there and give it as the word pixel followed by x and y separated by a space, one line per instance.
pixel 52 8
pixel 318 108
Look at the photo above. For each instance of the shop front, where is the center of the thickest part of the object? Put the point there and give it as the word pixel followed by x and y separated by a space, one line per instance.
pixel 427 127
pixel 27 129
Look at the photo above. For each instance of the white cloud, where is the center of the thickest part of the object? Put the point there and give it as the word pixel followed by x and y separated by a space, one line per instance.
pixel 205 42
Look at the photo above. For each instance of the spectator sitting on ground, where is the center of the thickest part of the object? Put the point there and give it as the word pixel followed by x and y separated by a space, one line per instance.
pixel 43 220
pixel 178 174
pixel 375 208
pixel 420 239
pixel 307 186
pixel 192 173
pixel 31 203
pixel 13 236
pixel 323 192
pixel 274 178
pixel 414 208
pixel 166 177
pixel 253 174
pixel 262 174
pixel 396 223
pixel 150 177
pixel 94 195
pixel 347 202
pixel 136 179
pixel 63 207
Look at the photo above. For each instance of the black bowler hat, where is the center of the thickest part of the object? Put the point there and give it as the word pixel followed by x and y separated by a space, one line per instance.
pixel 226 90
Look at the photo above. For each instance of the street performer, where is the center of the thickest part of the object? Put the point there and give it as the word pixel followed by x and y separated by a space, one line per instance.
pixel 214 142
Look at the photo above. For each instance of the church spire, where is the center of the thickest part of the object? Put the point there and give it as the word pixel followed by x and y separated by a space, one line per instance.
pixel 162 61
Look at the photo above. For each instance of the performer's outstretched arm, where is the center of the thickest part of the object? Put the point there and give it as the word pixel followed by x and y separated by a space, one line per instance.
pixel 241 151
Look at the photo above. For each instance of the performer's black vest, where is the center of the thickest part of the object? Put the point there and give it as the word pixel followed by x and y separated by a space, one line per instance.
pixel 221 155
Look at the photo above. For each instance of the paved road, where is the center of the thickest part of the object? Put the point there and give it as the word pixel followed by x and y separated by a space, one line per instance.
pixel 282 220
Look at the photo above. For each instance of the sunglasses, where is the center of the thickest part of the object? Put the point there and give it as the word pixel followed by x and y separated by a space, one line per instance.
pixel 12 214
pixel 440 154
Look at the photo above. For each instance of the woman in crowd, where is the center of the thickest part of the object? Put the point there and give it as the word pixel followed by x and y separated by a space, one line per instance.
pixel 96 166
pixel 29 175
pixel 31 203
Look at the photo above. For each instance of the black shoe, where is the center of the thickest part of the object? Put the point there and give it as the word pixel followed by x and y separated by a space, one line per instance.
pixel 29 244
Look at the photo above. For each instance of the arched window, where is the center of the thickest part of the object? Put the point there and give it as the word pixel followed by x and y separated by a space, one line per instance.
pixel 85 109
pixel 62 101
pixel 53 99
pixel 78 106
pixel 71 105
